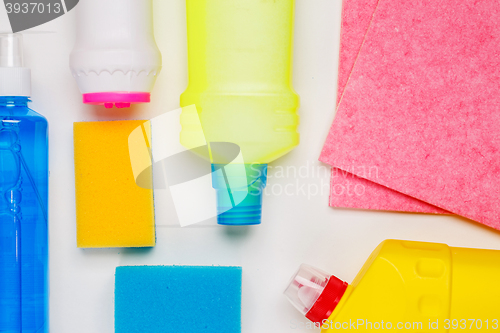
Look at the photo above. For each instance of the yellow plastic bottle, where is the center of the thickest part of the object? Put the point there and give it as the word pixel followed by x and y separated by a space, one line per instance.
pixel 240 60
pixel 409 286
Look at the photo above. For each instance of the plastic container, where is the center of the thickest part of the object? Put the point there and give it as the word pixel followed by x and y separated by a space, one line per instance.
pixel 410 286
pixel 240 60
pixel 23 198
pixel 115 60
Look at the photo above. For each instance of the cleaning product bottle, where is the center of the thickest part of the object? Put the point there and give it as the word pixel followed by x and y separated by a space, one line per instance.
pixel 115 60
pixel 240 59
pixel 410 286
pixel 23 198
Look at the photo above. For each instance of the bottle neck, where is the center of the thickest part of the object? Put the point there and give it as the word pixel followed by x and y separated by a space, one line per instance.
pixel 239 189
pixel 14 101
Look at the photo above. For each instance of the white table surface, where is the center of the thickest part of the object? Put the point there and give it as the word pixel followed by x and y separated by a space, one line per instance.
pixel 297 228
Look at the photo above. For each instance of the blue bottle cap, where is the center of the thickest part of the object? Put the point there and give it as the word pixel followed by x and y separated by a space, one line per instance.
pixel 239 192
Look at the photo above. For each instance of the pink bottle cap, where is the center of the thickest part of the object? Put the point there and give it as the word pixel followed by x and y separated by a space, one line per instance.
pixel 121 99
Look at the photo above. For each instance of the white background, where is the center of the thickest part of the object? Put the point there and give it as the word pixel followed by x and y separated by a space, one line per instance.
pixel 298 228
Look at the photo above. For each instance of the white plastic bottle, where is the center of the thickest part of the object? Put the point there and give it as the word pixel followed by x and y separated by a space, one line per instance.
pixel 115 60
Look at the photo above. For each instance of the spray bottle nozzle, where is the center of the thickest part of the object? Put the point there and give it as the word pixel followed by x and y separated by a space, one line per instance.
pixel 11 50
pixel 15 80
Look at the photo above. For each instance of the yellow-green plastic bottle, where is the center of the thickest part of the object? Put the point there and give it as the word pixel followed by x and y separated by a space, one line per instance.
pixel 406 286
pixel 240 70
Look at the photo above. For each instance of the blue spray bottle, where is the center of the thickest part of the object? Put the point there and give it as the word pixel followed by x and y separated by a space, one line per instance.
pixel 23 198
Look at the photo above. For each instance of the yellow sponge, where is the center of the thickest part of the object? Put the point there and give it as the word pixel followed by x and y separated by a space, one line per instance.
pixel 111 209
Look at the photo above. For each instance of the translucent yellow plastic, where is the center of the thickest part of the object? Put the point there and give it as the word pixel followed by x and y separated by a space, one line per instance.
pixel 415 286
pixel 240 60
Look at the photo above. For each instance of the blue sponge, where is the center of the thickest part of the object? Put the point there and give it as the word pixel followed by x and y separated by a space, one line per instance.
pixel 177 299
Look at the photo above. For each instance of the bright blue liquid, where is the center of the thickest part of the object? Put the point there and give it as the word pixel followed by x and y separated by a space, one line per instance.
pixel 23 218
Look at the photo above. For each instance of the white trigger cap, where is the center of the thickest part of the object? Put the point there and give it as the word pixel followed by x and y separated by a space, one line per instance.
pixel 15 80
pixel 11 50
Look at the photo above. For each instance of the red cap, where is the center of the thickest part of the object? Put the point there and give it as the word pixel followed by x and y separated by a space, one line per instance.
pixel 315 293
pixel 328 300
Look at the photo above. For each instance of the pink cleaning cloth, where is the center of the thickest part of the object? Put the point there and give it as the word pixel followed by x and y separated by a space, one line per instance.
pixel 346 189
pixel 356 18
pixel 420 105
